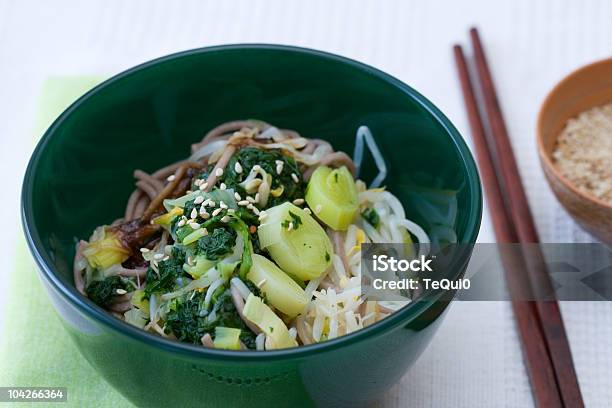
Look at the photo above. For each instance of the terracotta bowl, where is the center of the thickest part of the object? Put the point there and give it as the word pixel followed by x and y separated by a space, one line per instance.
pixel 583 89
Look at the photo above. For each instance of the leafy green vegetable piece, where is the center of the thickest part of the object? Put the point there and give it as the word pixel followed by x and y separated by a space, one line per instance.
pixel 101 292
pixel 371 216
pixel 188 316
pixel 247 252
pixel 220 242
pixel 249 157
pixel 169 271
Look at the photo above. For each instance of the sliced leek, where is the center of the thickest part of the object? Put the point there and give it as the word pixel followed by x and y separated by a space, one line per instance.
pixel 280 290
pixel 296 241
pixel 332 195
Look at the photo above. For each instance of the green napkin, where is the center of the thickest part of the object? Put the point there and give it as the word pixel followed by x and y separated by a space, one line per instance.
pixel 34 348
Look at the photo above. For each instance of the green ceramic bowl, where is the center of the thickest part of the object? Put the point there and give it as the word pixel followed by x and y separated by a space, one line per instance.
pixel 80 176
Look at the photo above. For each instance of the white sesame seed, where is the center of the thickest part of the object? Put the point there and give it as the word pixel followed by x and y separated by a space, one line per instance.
pixel 194 225
pixel 256 167
pixel 165 258
pixel 255 210
pixel 171 177
pixel 225 218
pixel 238 168
pixel 231 211
pixel 190 260
pixel 261 283
pixel 298 201
pixel 205 215
pixel 211 203
pixel 194 214
pixel 318 208
pixel 295 177
pixel 277 162
pixel 158 256
pixel 216 212
pixel 181 223
pixel 250 199
pixel 307 211
pixel 243 202
pixel 121 291
pixel 222 205
pixel 219 172
pixel 203 186
pixel 198 182
pixel 198 200
pixel 144 250
pixel 279 168
pixel 290 226
pixel 222 186
pixel 237 196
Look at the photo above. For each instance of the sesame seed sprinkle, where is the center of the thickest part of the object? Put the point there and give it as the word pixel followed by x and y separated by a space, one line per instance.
pixel 290 226
pixel 219 172
pixel 243 202
pixel 225 218
pixel 250 199
pixel 216 212
pixel 205 215
pixel 295 177
pixel 203 186
pixel 222 186
pixel 121 291
pixel 222 205
pixel 256 167
pixel 194 225
pixel 194 214
pixel 237 196
pixel 158 256
pixel 279 168
pixel 181 223
pixel 238 168
pixel 307 211
pixel 298 201
pixel 198 200
pixel 231 211
pixel 171 177
pixel 144 250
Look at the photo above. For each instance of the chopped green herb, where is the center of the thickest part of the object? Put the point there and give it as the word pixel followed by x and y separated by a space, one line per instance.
pixel 295 219
pixel 217 244
pixel 371 216
pixel 102 292
pixel 169 271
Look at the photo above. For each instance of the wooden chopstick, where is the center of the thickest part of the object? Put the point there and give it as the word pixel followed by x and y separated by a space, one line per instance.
pixel 551 320
pixel 539 365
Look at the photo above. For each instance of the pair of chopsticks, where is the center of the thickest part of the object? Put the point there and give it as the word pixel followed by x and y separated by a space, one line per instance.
pixel 540 324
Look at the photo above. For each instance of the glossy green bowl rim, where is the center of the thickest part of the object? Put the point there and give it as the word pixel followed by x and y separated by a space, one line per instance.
pixel 402 317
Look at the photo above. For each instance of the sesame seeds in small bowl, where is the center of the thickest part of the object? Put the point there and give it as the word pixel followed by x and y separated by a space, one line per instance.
pixel 574 132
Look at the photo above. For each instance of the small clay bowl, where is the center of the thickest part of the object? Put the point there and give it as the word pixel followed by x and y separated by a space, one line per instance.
pixel 581 90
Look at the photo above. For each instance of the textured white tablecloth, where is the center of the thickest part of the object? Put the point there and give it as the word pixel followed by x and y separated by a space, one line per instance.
pixel 475 360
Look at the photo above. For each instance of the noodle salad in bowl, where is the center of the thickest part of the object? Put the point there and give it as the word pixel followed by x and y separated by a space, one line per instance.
pixel 253 242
